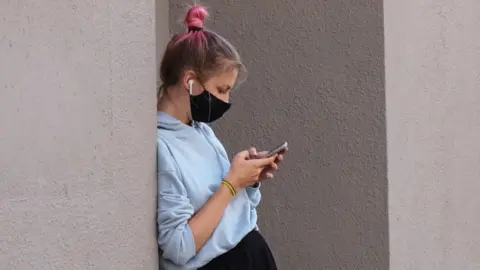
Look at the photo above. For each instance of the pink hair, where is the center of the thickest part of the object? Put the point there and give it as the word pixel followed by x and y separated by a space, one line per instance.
pixel 195 17
pixel 193 21
pixel 203 51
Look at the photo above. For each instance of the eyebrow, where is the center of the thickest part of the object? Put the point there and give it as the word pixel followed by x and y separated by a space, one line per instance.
pixel 226 87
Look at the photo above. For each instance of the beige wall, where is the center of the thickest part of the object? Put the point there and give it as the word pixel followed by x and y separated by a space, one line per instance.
pixel 433 113
pixel 77 127
pixel 77 135
pixel 316 79
pixel 162 27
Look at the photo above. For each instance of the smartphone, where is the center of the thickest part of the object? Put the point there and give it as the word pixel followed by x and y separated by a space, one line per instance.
pixel 277 149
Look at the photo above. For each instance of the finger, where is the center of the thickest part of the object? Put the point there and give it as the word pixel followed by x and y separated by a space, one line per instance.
pixel 273 167
pixel 272 159
pixel 262 154
pixel 244 154
pixel 262 162
pixel 253 152
pixel 269 176
pixel 279 158
pixel 283 151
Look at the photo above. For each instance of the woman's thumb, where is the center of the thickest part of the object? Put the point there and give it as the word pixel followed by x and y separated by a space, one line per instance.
pixel 266 161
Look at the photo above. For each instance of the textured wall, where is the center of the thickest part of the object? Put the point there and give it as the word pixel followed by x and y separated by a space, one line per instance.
pixel 77 135
pixel 433 105
pixel 316 80
pixel 162 27
pixel 162 10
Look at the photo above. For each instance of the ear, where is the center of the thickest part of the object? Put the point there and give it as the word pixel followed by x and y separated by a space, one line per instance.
pixel 189 80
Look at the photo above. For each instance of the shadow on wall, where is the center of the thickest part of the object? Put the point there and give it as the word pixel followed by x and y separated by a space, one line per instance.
pixel 316 80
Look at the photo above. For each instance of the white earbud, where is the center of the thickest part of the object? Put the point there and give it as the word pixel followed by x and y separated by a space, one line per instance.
pixel 190 86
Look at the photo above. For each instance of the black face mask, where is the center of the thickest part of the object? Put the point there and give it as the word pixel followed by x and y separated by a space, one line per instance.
pixel 206 107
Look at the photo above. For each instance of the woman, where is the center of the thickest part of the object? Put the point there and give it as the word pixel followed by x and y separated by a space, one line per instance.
pixel 207 216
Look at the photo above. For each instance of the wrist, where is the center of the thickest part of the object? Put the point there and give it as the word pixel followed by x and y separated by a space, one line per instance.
pixel 226 189
pixel 232 180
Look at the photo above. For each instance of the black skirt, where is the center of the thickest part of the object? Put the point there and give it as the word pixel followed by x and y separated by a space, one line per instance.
pixel 252 253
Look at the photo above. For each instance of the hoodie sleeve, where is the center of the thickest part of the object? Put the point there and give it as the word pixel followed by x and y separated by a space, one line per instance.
pixel 254 195
pixel 175 237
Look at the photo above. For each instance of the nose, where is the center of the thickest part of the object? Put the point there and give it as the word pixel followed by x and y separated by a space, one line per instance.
pixel 225 97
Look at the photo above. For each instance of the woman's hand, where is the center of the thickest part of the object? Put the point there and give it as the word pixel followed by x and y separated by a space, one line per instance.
pixel 245 171
pixel 268 172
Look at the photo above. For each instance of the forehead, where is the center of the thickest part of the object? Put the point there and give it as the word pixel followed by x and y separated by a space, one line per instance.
pixel 227 78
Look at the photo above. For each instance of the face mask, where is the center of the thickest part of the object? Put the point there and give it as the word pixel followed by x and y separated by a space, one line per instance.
pixel 206 107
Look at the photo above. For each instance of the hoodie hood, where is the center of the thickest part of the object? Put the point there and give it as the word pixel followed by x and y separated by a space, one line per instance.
pixel 168 122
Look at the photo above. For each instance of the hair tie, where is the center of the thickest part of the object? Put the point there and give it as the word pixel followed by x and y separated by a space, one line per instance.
pixel 194 28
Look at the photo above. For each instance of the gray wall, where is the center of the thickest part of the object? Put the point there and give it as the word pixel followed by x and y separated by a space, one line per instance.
pixel 77 127
pixel 433 112
pixel 77 135
pixel 317 81
pixel 162 13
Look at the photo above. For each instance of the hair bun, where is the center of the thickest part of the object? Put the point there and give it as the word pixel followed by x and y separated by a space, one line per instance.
pixel 195 17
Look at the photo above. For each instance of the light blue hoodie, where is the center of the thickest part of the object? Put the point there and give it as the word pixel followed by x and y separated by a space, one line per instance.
pixel 191 164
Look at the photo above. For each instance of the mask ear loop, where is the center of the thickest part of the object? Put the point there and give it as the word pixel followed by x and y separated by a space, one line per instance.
pixel 190 87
